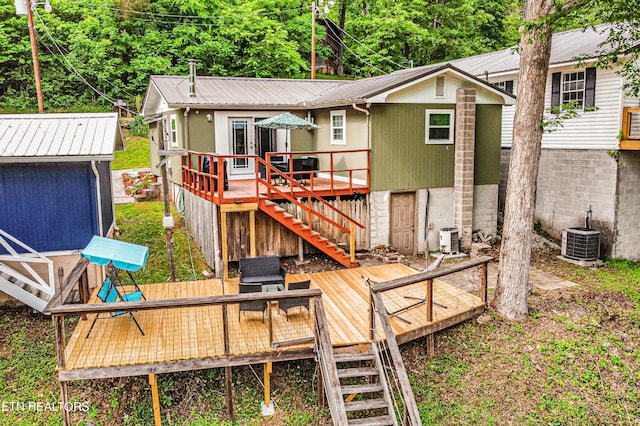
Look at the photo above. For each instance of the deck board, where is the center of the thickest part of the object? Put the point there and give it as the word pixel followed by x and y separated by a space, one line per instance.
pixel 174 335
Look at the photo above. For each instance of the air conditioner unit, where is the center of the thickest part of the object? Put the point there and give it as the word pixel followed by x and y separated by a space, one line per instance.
pixel 581 243
pixel 449 242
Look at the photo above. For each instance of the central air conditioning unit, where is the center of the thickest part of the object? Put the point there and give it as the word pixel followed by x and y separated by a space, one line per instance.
pixel 449 242
pixel 581 244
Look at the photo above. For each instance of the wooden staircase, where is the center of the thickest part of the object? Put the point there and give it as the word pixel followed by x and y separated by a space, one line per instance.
pixel 363 385
pixel 20 290
pixel 305 232
pixel 19 279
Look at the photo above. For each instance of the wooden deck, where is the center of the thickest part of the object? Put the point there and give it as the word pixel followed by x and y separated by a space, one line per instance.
pixel 187 339
pixel 246 189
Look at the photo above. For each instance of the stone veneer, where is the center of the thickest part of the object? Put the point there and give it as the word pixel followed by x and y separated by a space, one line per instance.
pixel 465 127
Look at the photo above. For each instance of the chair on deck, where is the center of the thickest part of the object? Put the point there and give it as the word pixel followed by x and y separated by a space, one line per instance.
pixel 252 305
pixel 286 304
pixel 108 294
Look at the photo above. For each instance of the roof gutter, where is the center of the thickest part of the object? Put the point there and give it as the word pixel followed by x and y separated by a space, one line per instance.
pixel 357 108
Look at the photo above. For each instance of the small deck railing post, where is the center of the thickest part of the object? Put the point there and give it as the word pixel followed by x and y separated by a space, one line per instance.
pixel 484 284
pixel 429 300
pixel 372 318
pixel 352 241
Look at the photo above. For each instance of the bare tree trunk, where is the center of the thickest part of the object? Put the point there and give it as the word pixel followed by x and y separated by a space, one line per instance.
pixel 515 254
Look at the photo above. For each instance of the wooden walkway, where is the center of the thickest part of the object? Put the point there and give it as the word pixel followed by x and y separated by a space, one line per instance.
pixel 191 338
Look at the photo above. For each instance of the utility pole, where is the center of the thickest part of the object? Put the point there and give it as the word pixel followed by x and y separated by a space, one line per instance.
pixel 313 40
pixel 167 220
pixel 34 55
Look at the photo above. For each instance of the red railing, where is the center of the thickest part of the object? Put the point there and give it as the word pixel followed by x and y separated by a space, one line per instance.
pixel 204 181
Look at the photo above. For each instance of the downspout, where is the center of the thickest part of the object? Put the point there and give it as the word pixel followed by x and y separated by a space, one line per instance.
pixel 98 196
pixel 368 114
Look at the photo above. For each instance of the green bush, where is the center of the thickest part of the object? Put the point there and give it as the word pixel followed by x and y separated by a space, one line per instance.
pixel 138 127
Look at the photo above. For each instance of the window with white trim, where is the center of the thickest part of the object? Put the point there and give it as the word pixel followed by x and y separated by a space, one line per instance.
pixel 173 130
pixel 339 127
pixel 573 88
pixel 439 126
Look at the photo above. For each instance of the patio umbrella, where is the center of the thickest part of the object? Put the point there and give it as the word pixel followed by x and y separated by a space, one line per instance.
pixel 286 121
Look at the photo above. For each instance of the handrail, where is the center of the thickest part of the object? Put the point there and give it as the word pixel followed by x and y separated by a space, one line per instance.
pixel 410 408
pixel 182 302
pixel 328 369
pixel 424 276
pixel 309 194
pixel 24 260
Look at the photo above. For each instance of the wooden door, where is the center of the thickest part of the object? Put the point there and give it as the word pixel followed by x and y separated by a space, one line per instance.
pixel 403 216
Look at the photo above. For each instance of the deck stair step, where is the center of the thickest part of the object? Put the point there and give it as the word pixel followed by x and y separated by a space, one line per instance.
pixel 22 291
pixel 372 421
pixel 365 404
pixel 362 388
pixel 314 238
pixel 357 372
pixel 353 356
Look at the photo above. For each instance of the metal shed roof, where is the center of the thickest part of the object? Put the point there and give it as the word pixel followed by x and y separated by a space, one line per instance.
pixel 58 137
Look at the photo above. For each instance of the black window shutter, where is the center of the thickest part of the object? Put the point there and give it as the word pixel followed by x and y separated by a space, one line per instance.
pixel 508 86
pixel 590 88
pixel 555 89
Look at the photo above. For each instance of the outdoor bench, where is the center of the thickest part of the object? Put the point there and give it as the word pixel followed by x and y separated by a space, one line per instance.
pixel 263 270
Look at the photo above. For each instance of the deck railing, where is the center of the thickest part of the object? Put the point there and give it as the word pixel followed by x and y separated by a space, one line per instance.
pixel 389 353
pixel 630 133
pixel 31 257
pixel 208 184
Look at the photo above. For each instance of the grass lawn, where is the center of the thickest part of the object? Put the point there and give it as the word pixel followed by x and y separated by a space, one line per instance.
pixel 575 360
pixel 136 155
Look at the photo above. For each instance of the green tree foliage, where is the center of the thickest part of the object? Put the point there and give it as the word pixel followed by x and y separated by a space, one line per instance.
pixel 94 52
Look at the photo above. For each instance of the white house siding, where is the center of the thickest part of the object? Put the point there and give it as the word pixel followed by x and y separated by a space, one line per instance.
pixel 434 206
pixel 628 206
pixel 592 129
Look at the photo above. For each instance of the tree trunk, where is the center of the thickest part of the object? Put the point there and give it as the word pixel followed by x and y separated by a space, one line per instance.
pixel 515 254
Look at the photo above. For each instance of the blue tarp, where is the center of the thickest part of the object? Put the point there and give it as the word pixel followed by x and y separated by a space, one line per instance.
pixel 127 256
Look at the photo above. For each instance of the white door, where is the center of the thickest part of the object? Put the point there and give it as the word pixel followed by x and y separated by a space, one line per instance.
pixel 242 143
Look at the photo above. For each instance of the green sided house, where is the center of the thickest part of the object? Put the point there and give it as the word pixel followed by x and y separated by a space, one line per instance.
pixel 395 159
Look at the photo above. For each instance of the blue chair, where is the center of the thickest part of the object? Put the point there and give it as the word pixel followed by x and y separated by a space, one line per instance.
pixel 108 293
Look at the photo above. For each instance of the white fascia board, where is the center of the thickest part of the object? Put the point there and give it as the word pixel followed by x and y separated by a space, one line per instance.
pixel 57 159
pixel 382 97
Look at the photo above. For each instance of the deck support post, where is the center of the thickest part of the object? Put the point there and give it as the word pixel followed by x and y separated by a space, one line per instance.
pixel 228 384
pixel 352 241
pixel 252 233
pixel 430 340
pixel 58 326
pixel 83 291
pixel 225 243
pixel 64 391
pixel 268 408
pixel 155 396
pixel 321 399
pixel 484 284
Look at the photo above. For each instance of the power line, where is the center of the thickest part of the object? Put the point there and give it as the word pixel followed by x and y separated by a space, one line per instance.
pixel 70 66
pixel 352 52
pixel 365 46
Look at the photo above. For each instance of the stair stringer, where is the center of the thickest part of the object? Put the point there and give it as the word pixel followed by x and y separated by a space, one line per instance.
pixel 305 232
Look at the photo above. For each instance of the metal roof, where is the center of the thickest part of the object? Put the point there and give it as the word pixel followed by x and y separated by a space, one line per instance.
pixel 566 47
pixel 58 137
pixel 239 92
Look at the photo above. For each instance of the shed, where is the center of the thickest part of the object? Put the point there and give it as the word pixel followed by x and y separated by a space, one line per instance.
pixel 55 181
